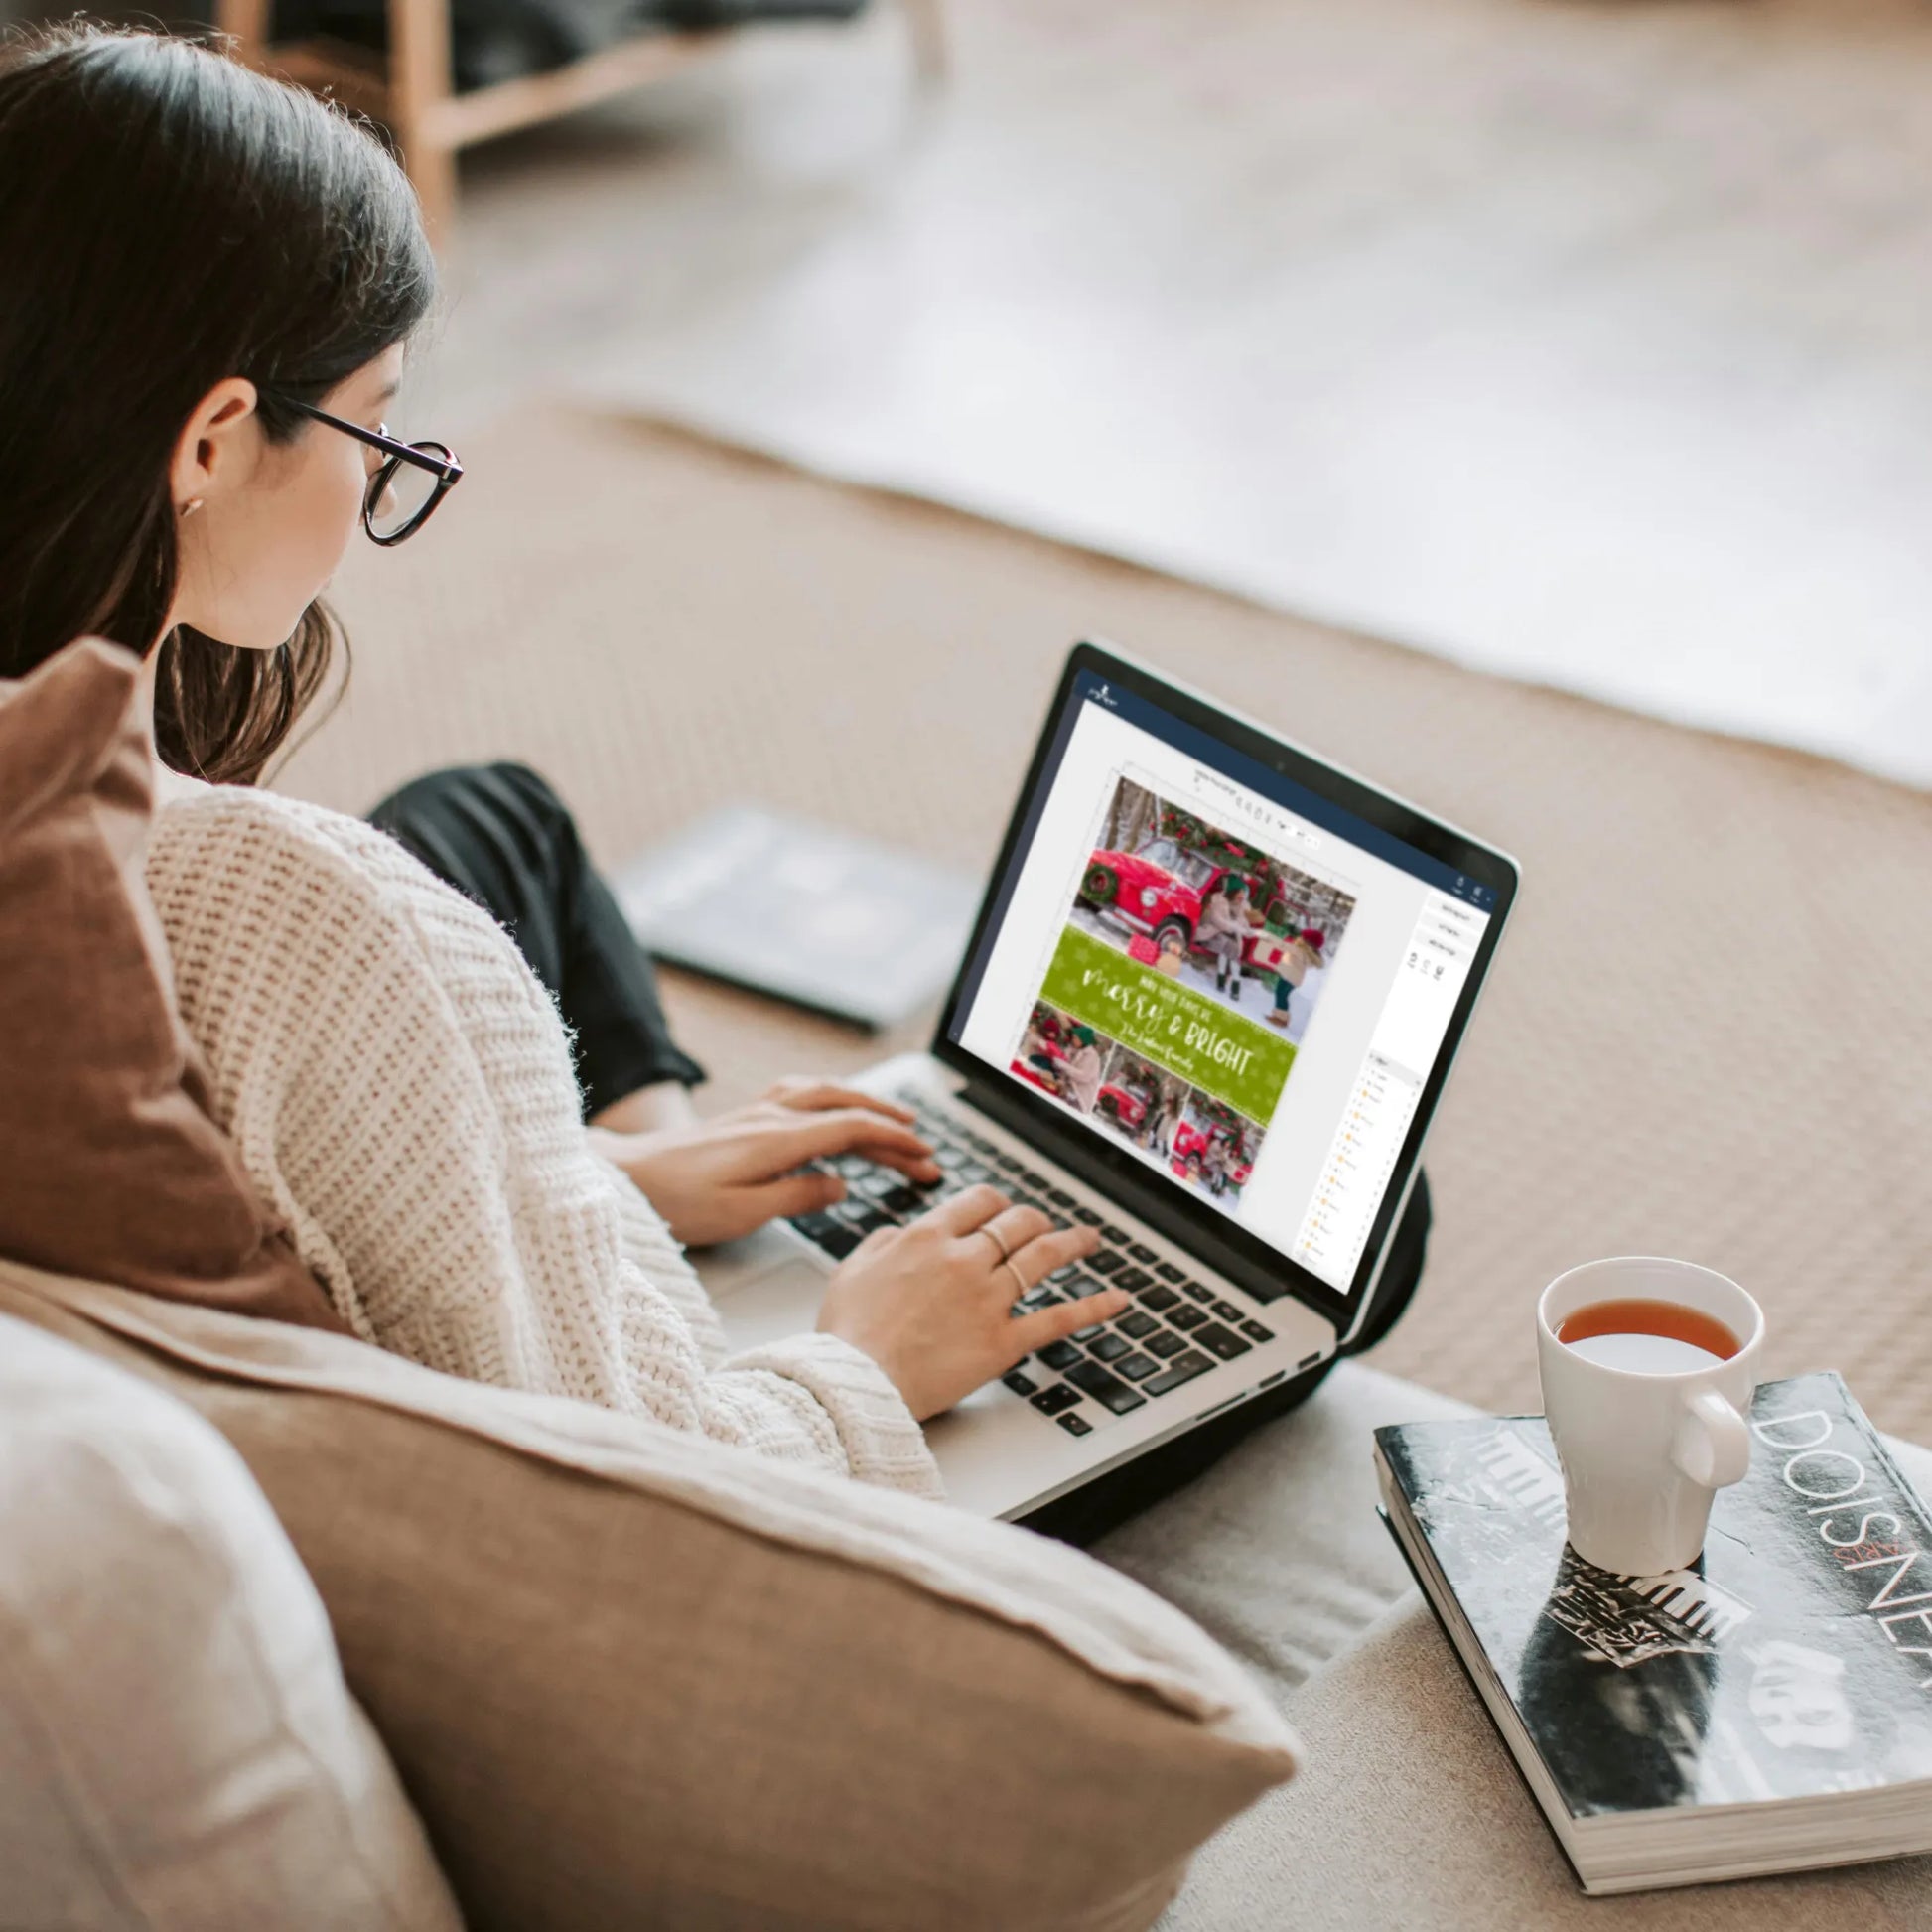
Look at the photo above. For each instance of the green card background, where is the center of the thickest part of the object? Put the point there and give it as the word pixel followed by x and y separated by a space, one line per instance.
pixel 1168 1023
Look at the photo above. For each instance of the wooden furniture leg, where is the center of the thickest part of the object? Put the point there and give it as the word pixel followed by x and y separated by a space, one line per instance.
pixel 420 83
pixel 413 92
pixel 931 50
pixel 246 23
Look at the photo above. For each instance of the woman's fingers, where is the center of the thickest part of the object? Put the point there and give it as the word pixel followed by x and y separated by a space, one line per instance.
pixel 1033 1243
pixel 814 1096
pixel 1011 1228
pixel 792 1194
pixel 971 1208
pixel 1031 1332
pixel 845 1129
pixel 1044 1247
pixel 931 1305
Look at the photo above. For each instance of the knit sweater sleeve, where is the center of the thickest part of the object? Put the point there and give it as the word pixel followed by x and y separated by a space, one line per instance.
pixel 399 1085
pixel 870 1411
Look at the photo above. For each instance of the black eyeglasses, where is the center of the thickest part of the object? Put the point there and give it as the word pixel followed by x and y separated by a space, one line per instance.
pixel 415 478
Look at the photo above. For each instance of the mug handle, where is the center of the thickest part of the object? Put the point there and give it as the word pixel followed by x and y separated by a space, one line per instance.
pixel 1713 1445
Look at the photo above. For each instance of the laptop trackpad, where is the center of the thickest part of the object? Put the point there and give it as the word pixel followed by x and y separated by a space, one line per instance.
pixel 766 1288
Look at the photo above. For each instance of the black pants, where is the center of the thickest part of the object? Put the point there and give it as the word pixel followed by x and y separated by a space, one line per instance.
pixel 500 836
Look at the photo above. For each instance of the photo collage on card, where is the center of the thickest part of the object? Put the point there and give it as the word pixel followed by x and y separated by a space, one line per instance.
pixel 1181 988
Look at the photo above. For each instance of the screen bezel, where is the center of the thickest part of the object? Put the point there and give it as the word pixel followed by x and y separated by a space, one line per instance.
pixel 1221 1242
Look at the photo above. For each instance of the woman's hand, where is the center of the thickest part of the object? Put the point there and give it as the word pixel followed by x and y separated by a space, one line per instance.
pixel 716 1179
pixel 929 1303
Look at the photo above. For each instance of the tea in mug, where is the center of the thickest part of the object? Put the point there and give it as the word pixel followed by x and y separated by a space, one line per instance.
pixel 1647 1338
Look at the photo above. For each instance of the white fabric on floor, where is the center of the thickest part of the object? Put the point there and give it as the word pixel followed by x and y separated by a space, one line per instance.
pixel 1583 344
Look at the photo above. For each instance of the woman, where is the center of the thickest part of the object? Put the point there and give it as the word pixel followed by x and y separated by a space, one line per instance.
pixel 1215 1165
pixel 1224 929
pixel 1083 1068
pixel 207 284
pixel 1170 1111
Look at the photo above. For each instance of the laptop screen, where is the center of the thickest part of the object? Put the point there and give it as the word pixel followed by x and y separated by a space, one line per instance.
pixel 1228 976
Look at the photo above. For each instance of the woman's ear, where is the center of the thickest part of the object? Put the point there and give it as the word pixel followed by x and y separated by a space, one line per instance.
pixel 214 451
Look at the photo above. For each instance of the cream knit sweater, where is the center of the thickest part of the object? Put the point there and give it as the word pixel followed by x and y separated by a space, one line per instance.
pixel 400 1087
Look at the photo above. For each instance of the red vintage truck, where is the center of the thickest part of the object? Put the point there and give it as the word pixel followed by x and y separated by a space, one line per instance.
pixel 1127 1106
pixel 1053 1050
pixel 1189 1140
pixel 1160 888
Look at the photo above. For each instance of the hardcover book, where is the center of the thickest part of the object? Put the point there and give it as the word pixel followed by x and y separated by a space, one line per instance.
pixel 1767 1709
pixel 819 917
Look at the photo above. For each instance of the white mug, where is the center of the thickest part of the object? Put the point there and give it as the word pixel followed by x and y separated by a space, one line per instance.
pixel 1643 1452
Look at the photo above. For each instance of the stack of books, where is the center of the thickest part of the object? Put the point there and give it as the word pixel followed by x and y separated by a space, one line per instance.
pixel 1768 1709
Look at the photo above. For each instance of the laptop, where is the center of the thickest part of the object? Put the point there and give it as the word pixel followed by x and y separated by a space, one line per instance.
pixel 1208 1008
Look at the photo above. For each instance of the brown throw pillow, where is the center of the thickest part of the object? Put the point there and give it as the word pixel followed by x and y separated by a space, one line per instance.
pixel 113 1167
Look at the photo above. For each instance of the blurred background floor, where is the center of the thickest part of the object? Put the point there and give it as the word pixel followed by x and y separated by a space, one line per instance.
pixel 1589 341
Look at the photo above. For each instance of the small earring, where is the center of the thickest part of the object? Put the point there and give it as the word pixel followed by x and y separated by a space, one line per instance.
pixel 191 506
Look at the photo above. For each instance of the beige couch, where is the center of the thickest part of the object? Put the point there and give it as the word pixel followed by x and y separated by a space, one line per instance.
pixel 622 1677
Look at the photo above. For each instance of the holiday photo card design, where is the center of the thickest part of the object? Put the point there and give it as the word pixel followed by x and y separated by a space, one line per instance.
pixel 1179 989
pixel 1202 1140
pixel 1209 910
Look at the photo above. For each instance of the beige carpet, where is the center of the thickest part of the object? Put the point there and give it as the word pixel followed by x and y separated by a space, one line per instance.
pixel 1706 1031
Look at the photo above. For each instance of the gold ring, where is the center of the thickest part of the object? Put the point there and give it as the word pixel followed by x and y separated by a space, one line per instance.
pixel 994 1235
pixel 1025 1287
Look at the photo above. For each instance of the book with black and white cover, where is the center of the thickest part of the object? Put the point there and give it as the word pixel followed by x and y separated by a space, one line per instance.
pixel 823 919
pixel 1767 1709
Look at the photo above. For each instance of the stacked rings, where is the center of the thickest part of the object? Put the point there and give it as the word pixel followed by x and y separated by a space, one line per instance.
pixel 1006 1256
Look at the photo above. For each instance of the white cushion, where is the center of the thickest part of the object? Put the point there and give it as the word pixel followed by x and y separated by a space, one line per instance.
pixel 177 1747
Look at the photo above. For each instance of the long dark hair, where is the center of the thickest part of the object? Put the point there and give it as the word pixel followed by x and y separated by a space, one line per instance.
pixel 171 217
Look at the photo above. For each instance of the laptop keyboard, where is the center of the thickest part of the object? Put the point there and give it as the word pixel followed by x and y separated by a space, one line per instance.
pixel 1178 1327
